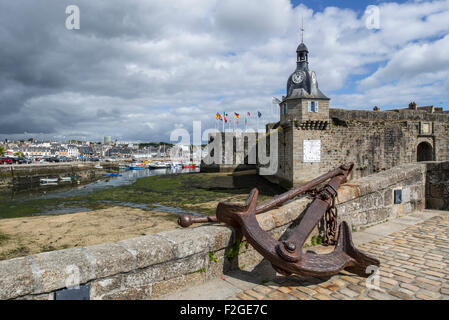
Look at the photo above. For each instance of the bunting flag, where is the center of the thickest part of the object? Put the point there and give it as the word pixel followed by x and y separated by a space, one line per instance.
pixel 236 115
pixel 259 114
pixel 249 114
pixel 218 116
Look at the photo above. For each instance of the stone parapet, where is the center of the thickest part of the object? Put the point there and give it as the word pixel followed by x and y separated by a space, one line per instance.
pixel 151 266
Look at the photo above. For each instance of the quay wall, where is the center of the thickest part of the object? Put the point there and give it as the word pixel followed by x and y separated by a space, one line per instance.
pixel 29 174
pixel 152 266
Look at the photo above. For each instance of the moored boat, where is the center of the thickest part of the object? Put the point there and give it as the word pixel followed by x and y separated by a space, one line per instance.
pixel 137 166
pixel 111 174
pixel 49 181
pixel 158 165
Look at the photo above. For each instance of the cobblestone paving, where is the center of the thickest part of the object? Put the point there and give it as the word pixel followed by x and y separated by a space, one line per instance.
pixel 414 265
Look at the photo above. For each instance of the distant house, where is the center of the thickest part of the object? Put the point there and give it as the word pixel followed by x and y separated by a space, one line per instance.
pixel 86 151
pixel 121 152
pixel 37 152
pixel 72 151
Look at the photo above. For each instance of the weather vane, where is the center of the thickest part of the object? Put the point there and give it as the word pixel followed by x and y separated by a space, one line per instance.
pixel 302 29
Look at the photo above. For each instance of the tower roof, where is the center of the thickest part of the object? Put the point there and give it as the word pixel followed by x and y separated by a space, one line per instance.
pixel 302 48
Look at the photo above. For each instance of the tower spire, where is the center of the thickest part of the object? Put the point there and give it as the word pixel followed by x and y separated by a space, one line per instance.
pixel 302 29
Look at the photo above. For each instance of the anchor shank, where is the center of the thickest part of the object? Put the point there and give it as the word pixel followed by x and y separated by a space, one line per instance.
pixel 315 212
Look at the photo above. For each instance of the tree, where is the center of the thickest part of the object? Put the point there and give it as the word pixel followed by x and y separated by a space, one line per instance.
pixel 30 139
pixel 19 154
pixel 2 151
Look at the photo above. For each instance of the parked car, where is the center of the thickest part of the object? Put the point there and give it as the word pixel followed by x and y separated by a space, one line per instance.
pixel 6 161
pixel 22 160
pixel 51 159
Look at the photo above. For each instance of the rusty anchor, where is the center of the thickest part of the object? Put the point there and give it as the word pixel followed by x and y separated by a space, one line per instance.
pixel 287 257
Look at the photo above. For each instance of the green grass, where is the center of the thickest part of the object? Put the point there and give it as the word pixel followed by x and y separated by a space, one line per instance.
pixel 3 238
pixel 17 252
pixel 189 191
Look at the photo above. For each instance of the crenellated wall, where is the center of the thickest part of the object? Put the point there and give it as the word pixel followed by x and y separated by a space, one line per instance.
pixel 151 266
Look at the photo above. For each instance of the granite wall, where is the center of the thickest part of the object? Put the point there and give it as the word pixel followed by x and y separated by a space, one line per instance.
pixel 437 185
pixel 24 175
pixel 373 140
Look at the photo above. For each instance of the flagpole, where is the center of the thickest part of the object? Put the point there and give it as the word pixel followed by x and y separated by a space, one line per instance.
pixel 246 122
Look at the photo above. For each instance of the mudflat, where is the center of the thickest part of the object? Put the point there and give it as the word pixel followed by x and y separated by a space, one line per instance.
pixel 25 228
pixel 30 235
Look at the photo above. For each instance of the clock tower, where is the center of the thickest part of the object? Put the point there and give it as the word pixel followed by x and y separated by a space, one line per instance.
pixel 304 118
pixel 304 104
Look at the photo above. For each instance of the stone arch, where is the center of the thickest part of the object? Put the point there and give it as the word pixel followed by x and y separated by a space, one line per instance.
pixel 424 151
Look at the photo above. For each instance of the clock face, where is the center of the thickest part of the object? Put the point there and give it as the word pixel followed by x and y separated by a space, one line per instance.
pixel 298 77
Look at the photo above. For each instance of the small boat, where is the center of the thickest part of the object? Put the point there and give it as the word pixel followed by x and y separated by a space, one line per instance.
pixel 189 166
pixel 98 166
pixel 50 182
pixel 111 174
pixel 137 166
pixel 66 179
pixel 158 165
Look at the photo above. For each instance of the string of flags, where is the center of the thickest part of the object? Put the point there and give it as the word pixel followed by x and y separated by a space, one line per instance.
pixel 227 118
pixel 218 116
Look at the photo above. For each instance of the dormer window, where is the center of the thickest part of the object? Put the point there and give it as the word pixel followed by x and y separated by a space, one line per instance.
pixel 312 106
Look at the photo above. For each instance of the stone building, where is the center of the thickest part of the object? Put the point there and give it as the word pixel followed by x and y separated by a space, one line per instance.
pixel 313 138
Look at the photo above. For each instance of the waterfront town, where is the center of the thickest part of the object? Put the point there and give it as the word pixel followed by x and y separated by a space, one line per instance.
pixel 33 151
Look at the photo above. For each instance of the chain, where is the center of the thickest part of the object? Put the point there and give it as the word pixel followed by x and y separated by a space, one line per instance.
pixel 330 219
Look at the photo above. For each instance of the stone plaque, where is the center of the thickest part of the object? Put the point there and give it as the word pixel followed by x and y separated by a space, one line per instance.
pixel 426 128
pixel 312 150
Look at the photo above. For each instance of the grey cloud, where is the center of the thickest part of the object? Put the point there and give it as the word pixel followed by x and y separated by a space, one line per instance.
pixel 137 69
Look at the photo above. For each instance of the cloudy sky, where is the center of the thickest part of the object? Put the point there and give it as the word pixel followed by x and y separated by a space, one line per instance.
pixel 137 69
